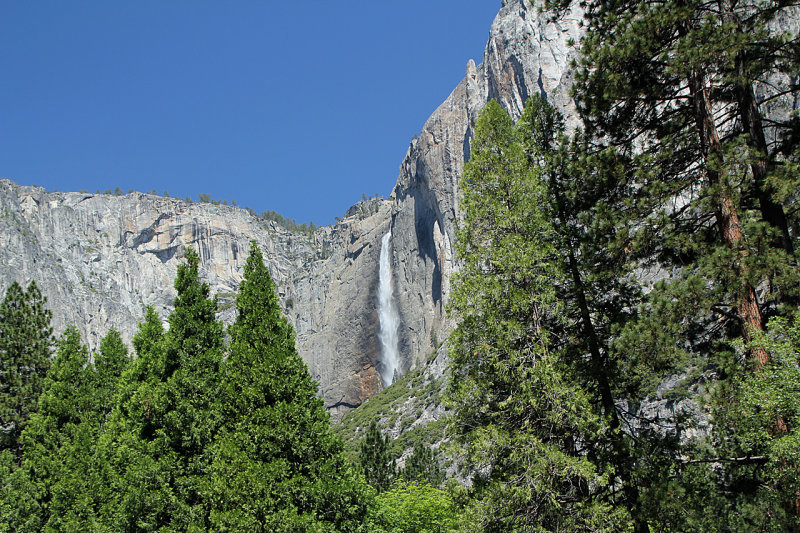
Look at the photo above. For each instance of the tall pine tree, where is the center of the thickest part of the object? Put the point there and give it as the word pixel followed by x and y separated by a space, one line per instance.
pixel 58 438
pixel 671 76
pixel 533 431
pixel 159 438
pixel 686 83
pixel 25 344
pixel 277 466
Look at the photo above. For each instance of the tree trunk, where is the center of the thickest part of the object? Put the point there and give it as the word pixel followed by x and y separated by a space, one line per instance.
pixel 730 228
pixel 623 462
pixel 750 115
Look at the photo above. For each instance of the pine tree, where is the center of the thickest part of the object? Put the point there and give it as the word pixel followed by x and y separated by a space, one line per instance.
pixel 711 203
pixel 58 437
pixel 665 75
pixel 422 466
pixel 109 364
pixel 60 484
pixel 276 464
pixel 128 450
pixel 534 456
pixel 159 438
pixel 376 460
pixel 589 195
pixel 25 344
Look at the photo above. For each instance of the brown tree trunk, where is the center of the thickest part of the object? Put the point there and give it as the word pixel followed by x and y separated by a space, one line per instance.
pixel 750 115
pixel 730 228
pixel 623 462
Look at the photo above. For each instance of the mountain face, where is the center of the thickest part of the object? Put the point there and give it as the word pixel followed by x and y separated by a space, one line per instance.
pixel 100 259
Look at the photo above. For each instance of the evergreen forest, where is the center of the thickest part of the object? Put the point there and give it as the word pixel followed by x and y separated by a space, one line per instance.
pixel 627 349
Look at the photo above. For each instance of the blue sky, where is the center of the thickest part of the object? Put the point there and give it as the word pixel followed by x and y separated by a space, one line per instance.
pixel 298 107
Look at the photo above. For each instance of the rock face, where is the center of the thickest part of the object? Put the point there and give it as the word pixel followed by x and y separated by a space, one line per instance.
pixel 100 258
pixel 525 54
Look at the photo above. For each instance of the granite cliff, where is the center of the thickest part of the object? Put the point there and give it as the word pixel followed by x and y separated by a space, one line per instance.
pixel 101 258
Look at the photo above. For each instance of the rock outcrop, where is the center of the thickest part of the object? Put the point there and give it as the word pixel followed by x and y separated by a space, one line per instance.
pixel 100 258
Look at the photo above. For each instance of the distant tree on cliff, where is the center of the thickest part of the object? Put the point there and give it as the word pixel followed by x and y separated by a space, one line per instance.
pixel 25 345
pixel 277 466
pixel 376 460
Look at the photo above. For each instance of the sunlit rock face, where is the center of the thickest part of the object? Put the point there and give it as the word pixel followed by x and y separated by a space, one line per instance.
pixel 525 54
pixel 101 258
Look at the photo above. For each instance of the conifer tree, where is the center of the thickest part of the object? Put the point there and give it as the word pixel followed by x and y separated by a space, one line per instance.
pixel 109 363
pixel 60 484
pixel 134 473
pixel 58 438
pixel 536 458
pixel 376 459
pixel 25 345
pixel 159 438
pixel 276 464
pixel 668 75
pixel 422 466
pixel 710 204
pixel 589 196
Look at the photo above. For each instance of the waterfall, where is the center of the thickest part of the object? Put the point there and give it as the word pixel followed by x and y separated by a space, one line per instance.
pixel 387 315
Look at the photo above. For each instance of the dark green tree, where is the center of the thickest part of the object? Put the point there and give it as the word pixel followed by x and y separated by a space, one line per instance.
pixel 129 448
pixel 687 83
pixel 109 363
pixel 590 196
pixel 58 438
pixel 25 345
pixel 78 484
pixel 375 458
pixel 159 439
pixel 669 75
pixel 277 466
pixel 422 466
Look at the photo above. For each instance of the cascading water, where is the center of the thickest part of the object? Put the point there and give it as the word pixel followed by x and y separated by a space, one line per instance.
pixel 387 315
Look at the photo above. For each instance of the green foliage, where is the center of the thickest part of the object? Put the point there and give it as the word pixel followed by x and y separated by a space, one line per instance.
pixel 60 486
pixel 538 459
pixel 655 73
pixel 179 440
pixel 398 405
pixel 276 464
pixel 289 223
pixel 48 441
pixel 25 344
pixel 158 443
pixel 376 460
pixel 422 466
pixel 412 508
pixel 757 415
pixel 709 208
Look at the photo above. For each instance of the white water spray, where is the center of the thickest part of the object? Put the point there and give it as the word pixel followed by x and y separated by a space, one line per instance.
pixel 387 315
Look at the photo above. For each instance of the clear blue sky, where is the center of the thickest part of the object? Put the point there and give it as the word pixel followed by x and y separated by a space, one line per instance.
pixel 298 107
